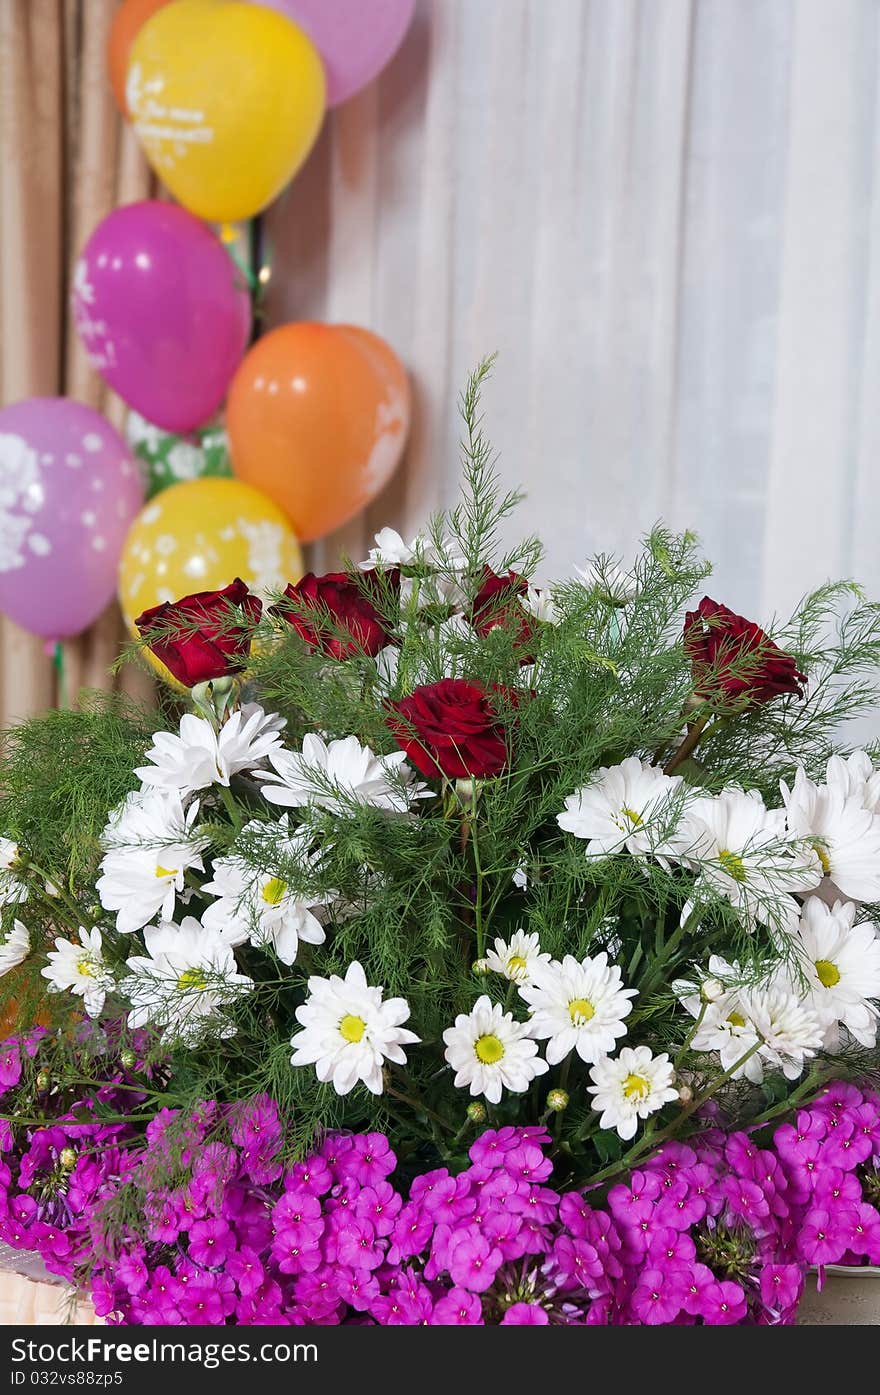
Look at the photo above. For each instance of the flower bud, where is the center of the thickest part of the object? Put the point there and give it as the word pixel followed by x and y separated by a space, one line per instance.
pixel 476 1112
pixel 481 967
pixel 127 1058
pixel 67 1158
pixel 557 1100
pixel 711 990
pixel 685 1094
pixel 44 1080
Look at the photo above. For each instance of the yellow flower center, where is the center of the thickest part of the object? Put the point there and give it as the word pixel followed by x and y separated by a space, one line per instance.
pixel 736 1019
pixel 732 864
pixel 352 1028
pixel 829 974
pixel 274 891
pixel 489 1049
pixel 822 856
pixel 165 871
pixel 192 979
pixel 86 967
pixel 516 964
pixel 580 1011
pixel 636 1087
pixel 633 816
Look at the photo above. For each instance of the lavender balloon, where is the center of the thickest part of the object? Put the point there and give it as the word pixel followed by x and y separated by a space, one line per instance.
pixel 69 491
pixel 162 311
pixel 355 38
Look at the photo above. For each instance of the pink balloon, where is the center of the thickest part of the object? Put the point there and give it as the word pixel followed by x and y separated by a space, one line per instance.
pixel 355 38
pixel 69 491
pixel 162 311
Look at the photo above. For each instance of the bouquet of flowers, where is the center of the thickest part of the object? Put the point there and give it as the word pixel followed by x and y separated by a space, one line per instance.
pixel 433 849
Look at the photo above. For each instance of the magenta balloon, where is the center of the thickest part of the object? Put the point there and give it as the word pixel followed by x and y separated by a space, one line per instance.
pixel 69 491
pixel 355 38
pixel 162 311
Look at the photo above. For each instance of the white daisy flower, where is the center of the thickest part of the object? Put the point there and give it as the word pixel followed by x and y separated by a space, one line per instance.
pixel 330 775
pixel 577 1006
pixel 80 968
pixel 262 907
pixel 845 834
pixel 349 1031
pixel 742 853
pixel 841 961
pixel 151 844
pixel 629 1087
pixel 541 605
pixel 789 1030
pixel 856 778
pixel 490 1051
pixel 15 946
pixel 13 890
pixel 200 756
pixel 515 959
pixel 724 1029
pixel 183 983
pixel 630 805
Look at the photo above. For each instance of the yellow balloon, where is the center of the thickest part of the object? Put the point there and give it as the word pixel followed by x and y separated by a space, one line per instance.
pixel 199 536
pixel 227 99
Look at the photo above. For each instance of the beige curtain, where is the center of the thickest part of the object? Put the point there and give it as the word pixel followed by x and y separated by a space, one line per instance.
pixel 66 159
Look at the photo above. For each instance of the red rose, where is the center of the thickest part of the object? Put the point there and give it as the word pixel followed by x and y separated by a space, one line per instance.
pixel 451 728
pixel 200 637
pixel 497 603
pixel 333 615
pixel 733 660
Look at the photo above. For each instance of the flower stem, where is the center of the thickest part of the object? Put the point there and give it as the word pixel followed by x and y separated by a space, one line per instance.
pixel 419 1107
pixel 687 747
pixel 230 806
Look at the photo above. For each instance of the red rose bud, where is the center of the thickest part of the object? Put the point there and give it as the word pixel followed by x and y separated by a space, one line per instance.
pixel 451 728
pixel 497 603
pixel 333 615
pixel 199 638
pixel 733 660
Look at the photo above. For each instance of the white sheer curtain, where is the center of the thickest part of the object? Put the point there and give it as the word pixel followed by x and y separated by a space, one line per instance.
pixel 662 213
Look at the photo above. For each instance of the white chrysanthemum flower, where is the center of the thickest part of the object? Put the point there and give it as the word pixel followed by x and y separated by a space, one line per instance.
pixel 441 587
pixel 789 1030
pixel 856 778
pixel 741 851
pixel 539 603
pixel 516 959
pixel 633 805
pixel 80 968
pixel 490 1051
pixel 151 844
pixel 629 1087
pixel 841 961
pixel 332 775
pixel 349 1031
pixel 12 889
pixel 15 946
pixel 724 1028
pixel 200 756
pixel 262 907
pixel 183 983
pixel 613 581
pixel 577 1005
pixel 845 834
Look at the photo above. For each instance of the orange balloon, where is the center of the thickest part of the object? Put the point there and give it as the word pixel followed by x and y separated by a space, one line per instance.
pixel 318 417
pixel 128 21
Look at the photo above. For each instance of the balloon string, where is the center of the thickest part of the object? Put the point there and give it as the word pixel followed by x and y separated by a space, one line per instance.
pixel 58 661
